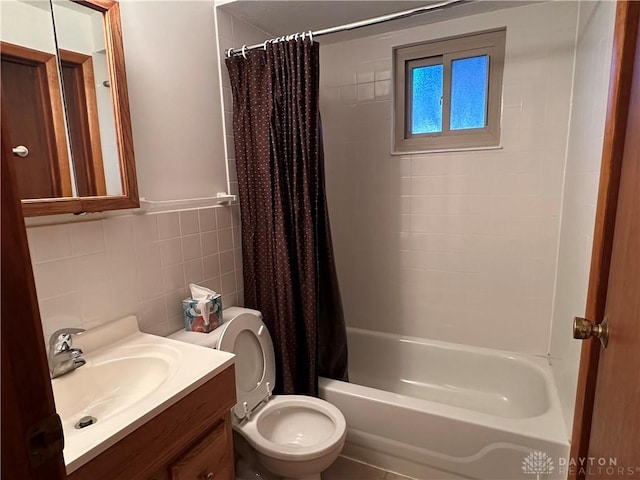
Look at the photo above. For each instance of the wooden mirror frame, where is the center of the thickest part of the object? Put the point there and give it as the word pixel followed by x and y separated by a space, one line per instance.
pixel 124 138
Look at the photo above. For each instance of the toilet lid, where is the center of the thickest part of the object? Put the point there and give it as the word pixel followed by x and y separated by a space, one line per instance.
pixel 247 337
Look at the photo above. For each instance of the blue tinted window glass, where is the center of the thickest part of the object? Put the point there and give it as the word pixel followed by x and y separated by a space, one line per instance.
pixel 469 92
pixel 426 95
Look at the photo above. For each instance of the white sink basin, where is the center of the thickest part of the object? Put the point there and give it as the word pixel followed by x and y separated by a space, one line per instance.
pixel 129 378
pixel 104 386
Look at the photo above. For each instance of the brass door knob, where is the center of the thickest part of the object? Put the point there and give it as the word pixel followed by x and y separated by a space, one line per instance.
pixel 583 329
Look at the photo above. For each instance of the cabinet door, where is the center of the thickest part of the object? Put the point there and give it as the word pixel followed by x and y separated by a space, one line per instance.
pixel 208 459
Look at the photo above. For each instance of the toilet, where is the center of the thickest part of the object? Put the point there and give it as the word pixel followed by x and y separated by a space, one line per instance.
pixel 293 436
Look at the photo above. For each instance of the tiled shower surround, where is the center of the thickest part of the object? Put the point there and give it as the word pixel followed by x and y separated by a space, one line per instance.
pixel 458 246
pixel 89 273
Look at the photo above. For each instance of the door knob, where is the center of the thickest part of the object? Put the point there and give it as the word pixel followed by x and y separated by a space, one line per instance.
pixel 583 329
pixel 21 151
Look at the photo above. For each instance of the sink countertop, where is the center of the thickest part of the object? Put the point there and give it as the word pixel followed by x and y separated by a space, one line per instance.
pixel 176 369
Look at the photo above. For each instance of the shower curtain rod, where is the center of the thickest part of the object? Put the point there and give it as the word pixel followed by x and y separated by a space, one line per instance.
pixel 343 28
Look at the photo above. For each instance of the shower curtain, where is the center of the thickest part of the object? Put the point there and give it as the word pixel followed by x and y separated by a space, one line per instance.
pixel 288 264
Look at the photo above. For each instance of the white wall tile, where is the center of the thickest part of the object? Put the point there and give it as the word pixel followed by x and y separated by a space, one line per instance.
pixel 150 258
pixel 209 243
pixel 49 243
pixel 172 278
pixel 228 283
pixel 207 219
pixel 88 270
pixel 224 24
pixel 150 284
pixel 86 237
pixel 382 89
pixel 118 233
pixel 191 248
pixel 189 222
pixel 168 225
pixel 95 301
pixel 211 265
pixel 593 57
pixel 366 92
pixel 466 230
pixel 225 239
pixel 215 284
pixel 173 302
pixel 152 314
pixel 193 271
pixel 53 278
pixel 170 252
pixel 223 215
pixel 60 312
pixel 227 263
pixel 120 267
pixel 145 230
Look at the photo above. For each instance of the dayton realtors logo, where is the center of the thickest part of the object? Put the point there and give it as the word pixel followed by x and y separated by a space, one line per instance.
pixel 598 467
pixel 540 463
pixel 537 463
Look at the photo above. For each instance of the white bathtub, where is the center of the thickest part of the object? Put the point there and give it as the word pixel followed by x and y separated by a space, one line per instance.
pixel 437 410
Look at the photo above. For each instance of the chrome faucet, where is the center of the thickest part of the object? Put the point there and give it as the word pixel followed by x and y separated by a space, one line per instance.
pixel 62 358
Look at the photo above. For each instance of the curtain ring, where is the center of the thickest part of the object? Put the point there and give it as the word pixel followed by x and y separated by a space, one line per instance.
pixel 244 49
pixel 229 53
pixel 264 45
pixel 303 35
pixel 311 36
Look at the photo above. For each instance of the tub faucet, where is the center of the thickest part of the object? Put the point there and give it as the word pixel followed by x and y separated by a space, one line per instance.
pixel 62 358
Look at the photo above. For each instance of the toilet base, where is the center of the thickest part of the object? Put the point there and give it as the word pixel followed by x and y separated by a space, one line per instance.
pixel 315 476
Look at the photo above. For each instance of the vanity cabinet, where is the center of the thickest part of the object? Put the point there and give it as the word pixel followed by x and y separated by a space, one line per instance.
pixel 207 460
pixel 191 440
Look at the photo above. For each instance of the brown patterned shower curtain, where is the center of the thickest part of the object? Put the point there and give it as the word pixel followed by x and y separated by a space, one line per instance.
pixel 288 264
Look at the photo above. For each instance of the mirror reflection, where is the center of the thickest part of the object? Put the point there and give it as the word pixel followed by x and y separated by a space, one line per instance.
pixel 87 98
pixel 32 98
pixel 55 82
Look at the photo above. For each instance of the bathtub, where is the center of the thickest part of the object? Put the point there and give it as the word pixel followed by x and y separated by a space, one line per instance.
pixel 437 410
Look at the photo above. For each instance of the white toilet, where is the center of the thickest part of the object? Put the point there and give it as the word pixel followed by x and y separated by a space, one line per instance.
pixel 294 436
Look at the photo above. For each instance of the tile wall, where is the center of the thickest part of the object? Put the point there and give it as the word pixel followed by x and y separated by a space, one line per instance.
pixel 458 246
pixel 593 58
pixel 89 273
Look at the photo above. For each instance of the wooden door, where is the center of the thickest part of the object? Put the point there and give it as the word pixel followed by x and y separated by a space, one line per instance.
pixel 31 431
pixel 606 435
pixel 31 90
pixel 79 87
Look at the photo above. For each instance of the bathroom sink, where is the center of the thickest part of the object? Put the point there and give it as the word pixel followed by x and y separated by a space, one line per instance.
pixel 104 386
pixel 129 378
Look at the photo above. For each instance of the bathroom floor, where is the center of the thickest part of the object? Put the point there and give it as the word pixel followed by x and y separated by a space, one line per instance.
pixel 345 469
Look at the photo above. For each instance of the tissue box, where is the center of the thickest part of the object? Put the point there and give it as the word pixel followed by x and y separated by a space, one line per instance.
pixel 193 320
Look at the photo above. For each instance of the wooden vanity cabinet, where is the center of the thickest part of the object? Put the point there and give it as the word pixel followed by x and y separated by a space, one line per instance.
pixel 191 440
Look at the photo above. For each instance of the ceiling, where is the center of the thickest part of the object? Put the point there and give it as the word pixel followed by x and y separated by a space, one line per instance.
pixel 282 17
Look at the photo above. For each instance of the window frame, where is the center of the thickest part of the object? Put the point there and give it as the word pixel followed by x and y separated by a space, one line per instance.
pixel 406 57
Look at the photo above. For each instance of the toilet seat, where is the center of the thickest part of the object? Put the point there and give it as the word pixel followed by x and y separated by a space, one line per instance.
pixel 247 337
pixel 275 431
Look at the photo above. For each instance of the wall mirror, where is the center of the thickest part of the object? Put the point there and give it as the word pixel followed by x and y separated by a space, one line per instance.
pixel 65 97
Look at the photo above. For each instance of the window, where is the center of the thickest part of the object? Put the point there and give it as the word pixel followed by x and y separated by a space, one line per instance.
pixel 447 93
